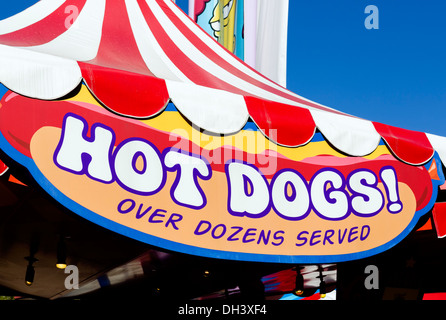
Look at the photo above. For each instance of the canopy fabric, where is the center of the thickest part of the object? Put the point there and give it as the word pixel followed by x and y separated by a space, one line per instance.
pixel 151 50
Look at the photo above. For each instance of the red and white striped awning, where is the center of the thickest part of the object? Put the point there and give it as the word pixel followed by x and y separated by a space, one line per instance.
pixel 152 51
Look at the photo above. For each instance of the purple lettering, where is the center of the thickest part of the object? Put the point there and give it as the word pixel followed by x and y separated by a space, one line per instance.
pixel 352 233
pixel 139 215
pixel 365 236
pixel 130 208
pixel 156 214
pixel 236 232
pixel 264 237
pixel 302 238
pixel 222 233
pixel 173 219
pixel 207 226
pixel 278 236
pixel 341 237
pixel 249 232
pixel 327 236
pixel 315 235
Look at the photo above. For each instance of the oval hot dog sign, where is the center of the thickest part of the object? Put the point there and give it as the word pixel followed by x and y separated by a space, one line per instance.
pixel 241 197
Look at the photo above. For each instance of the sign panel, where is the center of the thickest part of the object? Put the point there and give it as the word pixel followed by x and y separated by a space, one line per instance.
pixel 163 182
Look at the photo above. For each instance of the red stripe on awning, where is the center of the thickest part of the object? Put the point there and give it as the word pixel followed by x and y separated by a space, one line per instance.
pixel 409 146
pixel 183 62
pixel 118 48
pixel 126 93
pixel 46 29
pixel 294 126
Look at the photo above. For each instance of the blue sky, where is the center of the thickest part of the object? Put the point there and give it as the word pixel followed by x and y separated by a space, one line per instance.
pixel 395 74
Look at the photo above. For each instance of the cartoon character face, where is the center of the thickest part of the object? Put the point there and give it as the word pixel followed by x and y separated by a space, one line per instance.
pixel 228 18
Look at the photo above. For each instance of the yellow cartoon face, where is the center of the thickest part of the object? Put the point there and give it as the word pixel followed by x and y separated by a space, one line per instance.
pixel 224 11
